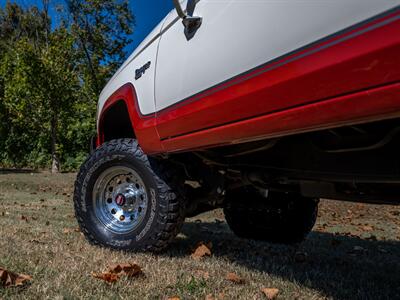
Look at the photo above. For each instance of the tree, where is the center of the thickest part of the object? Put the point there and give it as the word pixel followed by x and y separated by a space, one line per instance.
pixel 51 75
pixel 17 23
pixel 102 29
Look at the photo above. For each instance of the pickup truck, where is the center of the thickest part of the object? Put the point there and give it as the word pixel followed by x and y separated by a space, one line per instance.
pixel 257 107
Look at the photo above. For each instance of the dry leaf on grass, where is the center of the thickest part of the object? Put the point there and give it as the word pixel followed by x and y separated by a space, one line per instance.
pixel 106 276
pixel 202 250
pixel 367 228
pixel 115 272
pixel 174 298
pixel 9 279
pixel 70 230
pixel 129 269
pixel 234 278
pixel 270 293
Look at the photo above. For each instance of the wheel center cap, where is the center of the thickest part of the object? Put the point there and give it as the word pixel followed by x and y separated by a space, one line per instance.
pixel 120 200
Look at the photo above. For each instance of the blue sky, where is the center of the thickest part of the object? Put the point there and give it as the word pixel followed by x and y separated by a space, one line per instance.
pixel 148 13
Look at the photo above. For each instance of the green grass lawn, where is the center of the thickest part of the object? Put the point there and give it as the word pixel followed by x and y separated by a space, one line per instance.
pixel 353 253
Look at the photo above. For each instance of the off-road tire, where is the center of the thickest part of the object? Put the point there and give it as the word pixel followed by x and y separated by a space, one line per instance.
pixel 162 222
pixel 279 218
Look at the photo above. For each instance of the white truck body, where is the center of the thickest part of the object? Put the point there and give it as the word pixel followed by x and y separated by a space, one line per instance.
pixel 235 37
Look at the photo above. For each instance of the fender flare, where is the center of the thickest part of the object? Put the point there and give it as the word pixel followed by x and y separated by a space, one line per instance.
pixel 144 126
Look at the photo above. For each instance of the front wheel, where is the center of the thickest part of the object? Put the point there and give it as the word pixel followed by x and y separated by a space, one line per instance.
pixel 276 217
pixel 123 200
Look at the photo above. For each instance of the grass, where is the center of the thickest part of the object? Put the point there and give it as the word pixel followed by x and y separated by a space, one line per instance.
pixel 353 253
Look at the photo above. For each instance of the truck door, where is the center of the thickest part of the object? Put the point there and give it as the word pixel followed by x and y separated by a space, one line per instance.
pixel 218 75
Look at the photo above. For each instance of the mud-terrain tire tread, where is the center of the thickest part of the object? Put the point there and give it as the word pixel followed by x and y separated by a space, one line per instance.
pixel 171 215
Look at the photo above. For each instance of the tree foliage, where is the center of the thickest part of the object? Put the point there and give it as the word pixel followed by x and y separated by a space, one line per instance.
pixel 51 75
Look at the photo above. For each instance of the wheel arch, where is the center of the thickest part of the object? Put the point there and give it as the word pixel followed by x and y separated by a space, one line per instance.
pixel 115 123
pixel 120 117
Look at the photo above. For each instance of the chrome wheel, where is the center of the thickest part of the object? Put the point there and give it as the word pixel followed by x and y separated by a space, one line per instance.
pixel 120 199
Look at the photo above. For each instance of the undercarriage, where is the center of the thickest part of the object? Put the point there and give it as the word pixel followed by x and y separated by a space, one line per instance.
pixel 357 163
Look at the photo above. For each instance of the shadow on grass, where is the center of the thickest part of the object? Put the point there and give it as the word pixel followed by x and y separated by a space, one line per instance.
pixel 338 266
pixel 6 171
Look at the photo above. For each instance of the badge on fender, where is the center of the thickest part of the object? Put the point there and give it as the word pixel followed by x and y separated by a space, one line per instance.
pixel 139 72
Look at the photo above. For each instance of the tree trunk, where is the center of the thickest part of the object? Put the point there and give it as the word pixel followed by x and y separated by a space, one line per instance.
pixel 55 164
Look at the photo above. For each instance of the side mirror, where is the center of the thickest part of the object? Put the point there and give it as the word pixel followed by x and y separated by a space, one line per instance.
pixel 190 22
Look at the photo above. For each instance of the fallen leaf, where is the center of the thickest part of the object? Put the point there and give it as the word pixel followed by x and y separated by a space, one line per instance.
pixel 129 269
pixel 174 298
pixel 202 250
pixel 22 279
pixel 270 293
pixel 209 297
pixel 367 228
pixel 234 278
pixel 106 276
pixel 70 230
pixel 9 279
pixel 115 272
